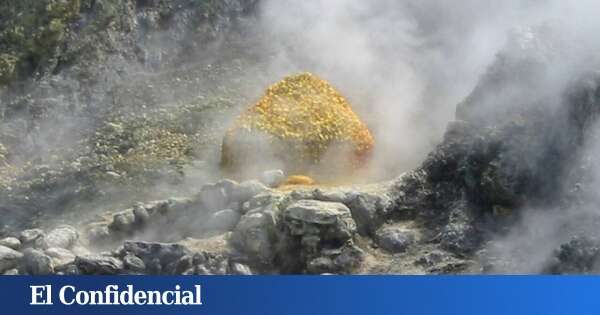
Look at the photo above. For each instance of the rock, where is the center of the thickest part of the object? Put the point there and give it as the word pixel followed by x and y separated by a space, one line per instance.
pixel 134 263
pixel 224 220
pixel 62 237
pixel 37 263
pixel 11 272
pixel 368 210
pixel 207 263
pixel 98 265
pixel 580 255
pixel 11 242
pixel 212 198
pixel 272 178
pixel 254 235
pixel 32 237
pixel 141 215
pixel 246 190
pixel 265 201
pixel 9 258
pixel 340 260
pixel 459 235
pixel 98 233
pixel 240 269
pixel 332 221
pixel 123 221
pixel 157 257
pixel 394 239
pixel 61 257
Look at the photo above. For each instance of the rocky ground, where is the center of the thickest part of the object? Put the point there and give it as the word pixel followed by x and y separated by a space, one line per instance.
pixel 111 122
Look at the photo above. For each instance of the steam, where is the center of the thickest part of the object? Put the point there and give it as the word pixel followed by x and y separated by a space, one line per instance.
pixel 404 65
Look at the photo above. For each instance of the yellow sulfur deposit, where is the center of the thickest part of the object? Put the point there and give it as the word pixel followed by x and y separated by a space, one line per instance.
pixel 298 123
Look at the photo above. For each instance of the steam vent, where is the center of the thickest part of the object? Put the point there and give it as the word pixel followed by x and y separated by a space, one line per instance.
pixel 301 125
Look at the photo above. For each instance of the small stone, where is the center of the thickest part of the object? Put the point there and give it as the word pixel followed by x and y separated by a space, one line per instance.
pixel 37 263
pixel 11 242
pixel 272 178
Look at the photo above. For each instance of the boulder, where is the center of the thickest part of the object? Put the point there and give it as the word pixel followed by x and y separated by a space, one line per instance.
pixel 98 265
pixel 330 221
pixel 254 235
pixel 11 242
pixel 61 257
pixel 9 258
pixel 62 237
pixel 394 239
pixel 368 210
pixel 36 263
pixel 123 221
pixel 33 238
pixel 134 263
pixel 158 257
pixel 246 190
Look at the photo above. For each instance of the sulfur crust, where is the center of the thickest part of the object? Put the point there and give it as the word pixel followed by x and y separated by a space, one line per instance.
pixel 308 116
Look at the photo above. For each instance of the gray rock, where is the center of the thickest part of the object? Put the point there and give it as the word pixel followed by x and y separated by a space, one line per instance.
pixel 156 256
pixel 11 242
pixel 36 262
pixel 9 258
pixel 62 237
pixel 254 235
pixel 98 265
pixel 272 178
pixel 224 220
pixel 99 233
pixel 32 238
pixel 134 263
pixel 212 198
pixel 246 190
pixel 394 239
pixel 141 215
pixel 123 221
pixel 266 200
pixel 329 220
pixel 240 269
pixel 368 210
pixel 11 272
pixel 61 257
